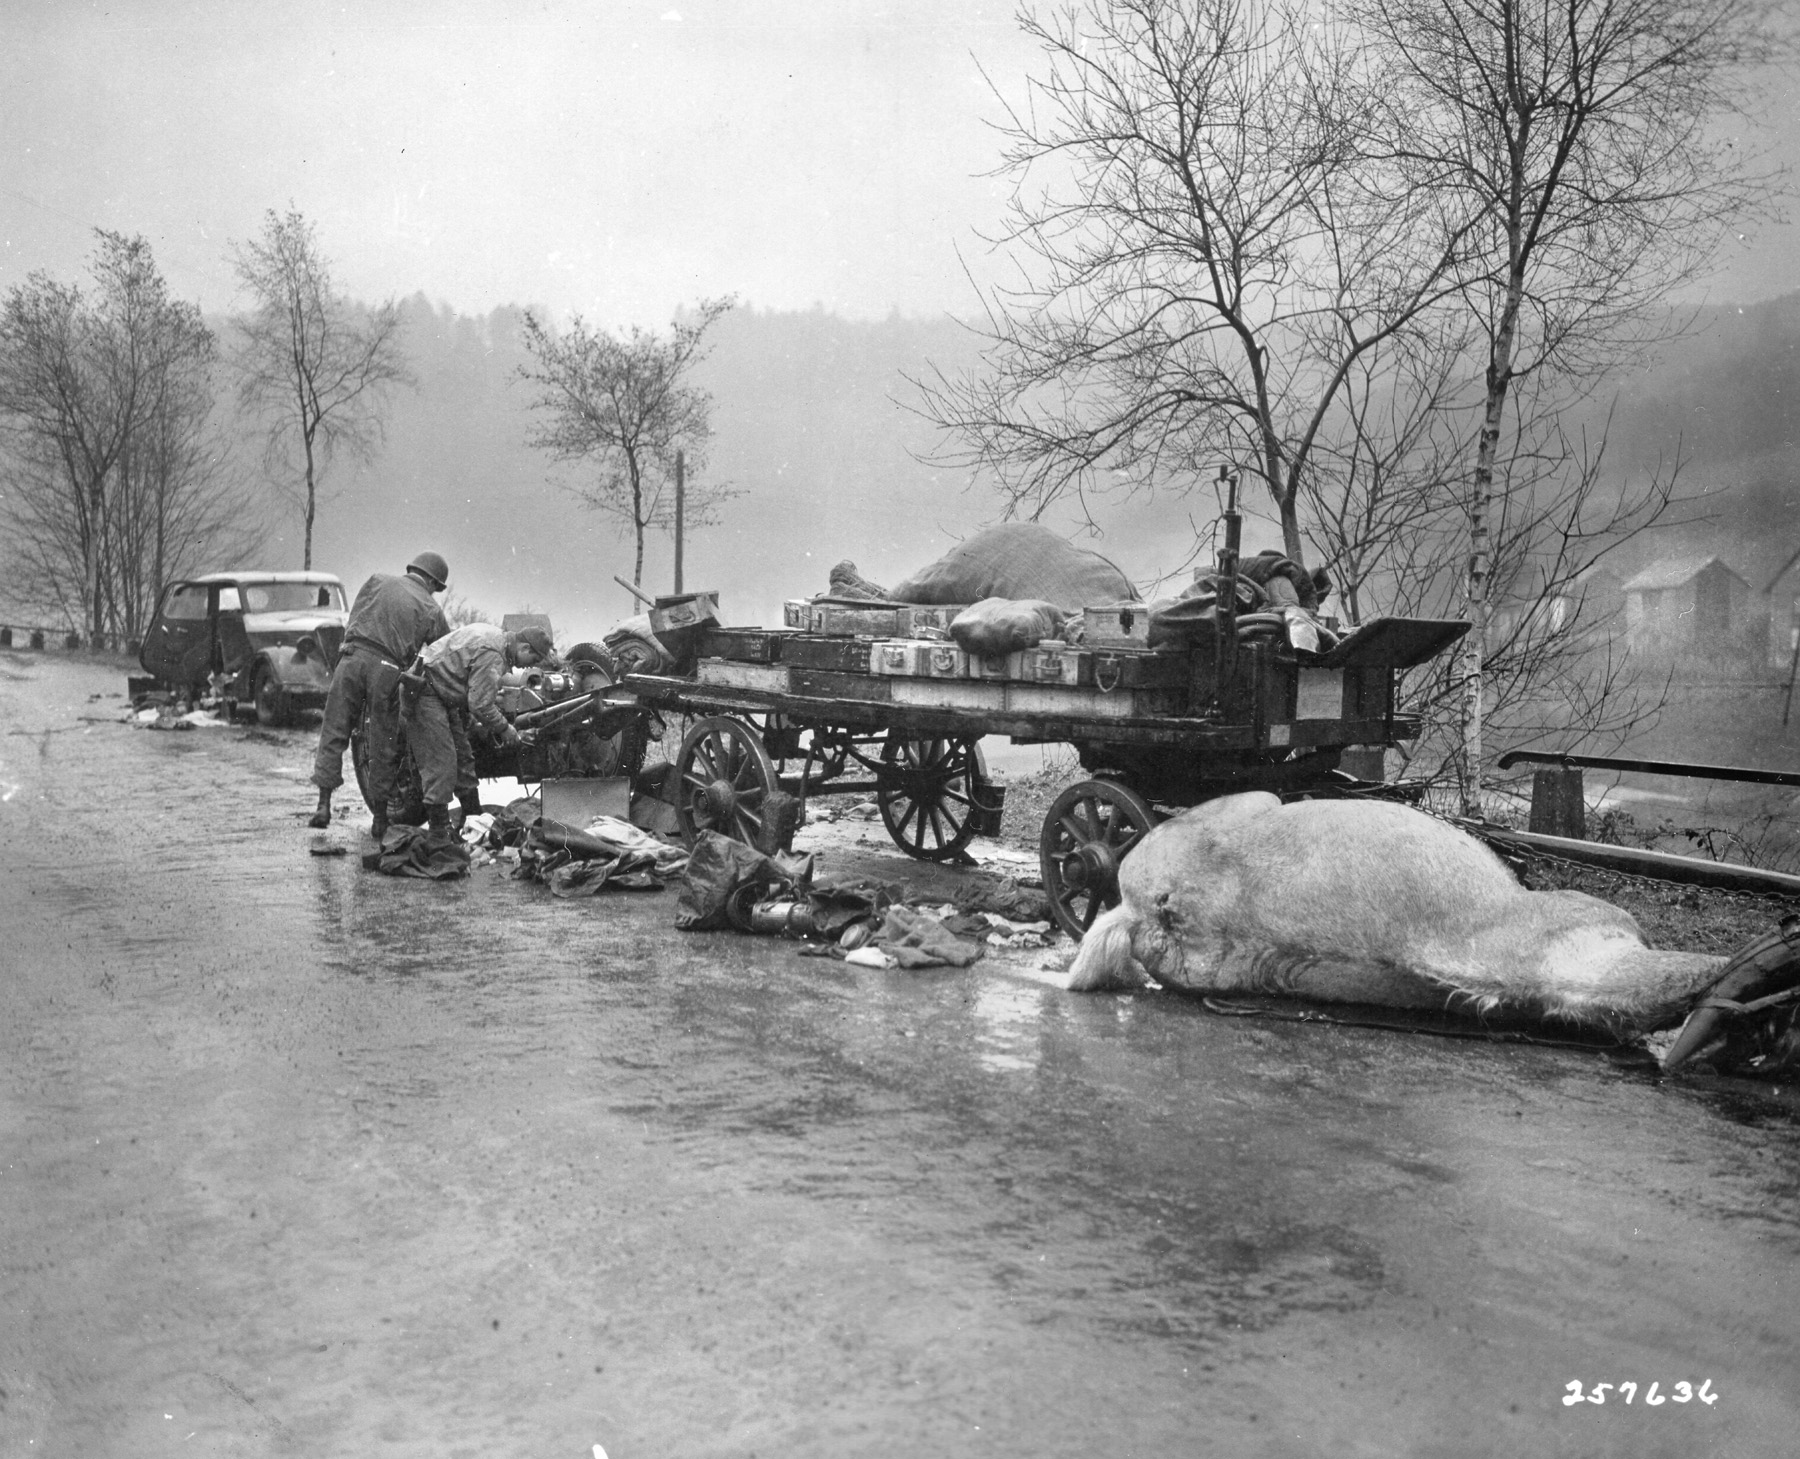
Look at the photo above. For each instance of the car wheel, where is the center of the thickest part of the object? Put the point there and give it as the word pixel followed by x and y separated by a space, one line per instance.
pixel 272 707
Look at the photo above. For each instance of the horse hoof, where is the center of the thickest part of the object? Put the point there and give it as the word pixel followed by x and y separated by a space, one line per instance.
pixel 1760 971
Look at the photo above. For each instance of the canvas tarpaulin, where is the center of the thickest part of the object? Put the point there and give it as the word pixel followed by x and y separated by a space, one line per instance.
pixel 1018 560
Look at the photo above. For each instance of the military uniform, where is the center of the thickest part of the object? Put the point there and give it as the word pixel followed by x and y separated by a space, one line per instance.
pixel 462 679
pixel 391 618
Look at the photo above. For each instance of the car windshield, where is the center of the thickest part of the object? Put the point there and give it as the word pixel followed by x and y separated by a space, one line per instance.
pixel 291 597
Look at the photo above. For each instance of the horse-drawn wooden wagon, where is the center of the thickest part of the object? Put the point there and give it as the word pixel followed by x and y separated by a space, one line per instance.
pixel 874 699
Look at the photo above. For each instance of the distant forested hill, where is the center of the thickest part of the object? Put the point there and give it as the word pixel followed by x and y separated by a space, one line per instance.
pixel 809 429
pixel 812 429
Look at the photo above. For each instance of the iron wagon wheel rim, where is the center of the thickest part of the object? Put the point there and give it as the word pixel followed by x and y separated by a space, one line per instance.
pixel 1088 831
pixel 723 777
pixel 926 793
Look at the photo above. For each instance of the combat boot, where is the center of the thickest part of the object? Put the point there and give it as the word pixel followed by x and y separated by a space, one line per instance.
pixel 321 818
pixel 469 802
pixel 378 824
pixel 438 830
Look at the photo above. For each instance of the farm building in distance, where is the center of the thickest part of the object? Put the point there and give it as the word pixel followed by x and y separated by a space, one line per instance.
pixel 1695 603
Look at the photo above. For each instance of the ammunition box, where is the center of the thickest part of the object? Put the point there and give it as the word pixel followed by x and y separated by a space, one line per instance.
pixel 926 622
pixel 691 610
pixel 1056 663
pixel 947 661
pixel 995 666
pixel 1116 625
pixel 840 655
pixel 841 621
pixel 906 658
pixel 744 645
pixel 797 613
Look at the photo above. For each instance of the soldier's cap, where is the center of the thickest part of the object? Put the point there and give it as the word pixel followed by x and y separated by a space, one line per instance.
pixel 534 639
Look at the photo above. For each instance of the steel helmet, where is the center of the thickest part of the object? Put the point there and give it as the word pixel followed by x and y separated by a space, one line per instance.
pixel 433 568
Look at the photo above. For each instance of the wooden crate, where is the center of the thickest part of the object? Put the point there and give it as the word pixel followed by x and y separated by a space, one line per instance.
pixel 840 655
pixel 1121 669
pixel 690 610
pixel 745 645
pixel 768 678
pixel 839 620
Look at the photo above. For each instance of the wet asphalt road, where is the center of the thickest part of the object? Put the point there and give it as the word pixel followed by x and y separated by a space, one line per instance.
pixel 300 1160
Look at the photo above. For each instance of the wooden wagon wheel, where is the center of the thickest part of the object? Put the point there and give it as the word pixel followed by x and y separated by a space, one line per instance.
pixel 1087 832
pixel 926 792
pixel 723 776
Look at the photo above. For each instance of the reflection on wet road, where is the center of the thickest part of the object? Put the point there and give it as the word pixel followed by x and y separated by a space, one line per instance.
pixel 318 1162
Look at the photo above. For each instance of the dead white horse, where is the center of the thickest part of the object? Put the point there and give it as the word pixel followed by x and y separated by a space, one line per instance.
pixel 1369 902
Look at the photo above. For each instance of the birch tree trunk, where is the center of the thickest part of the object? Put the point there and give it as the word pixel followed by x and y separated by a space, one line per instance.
pixel 1481 499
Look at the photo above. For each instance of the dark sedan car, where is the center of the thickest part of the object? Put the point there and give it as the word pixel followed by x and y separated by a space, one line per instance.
pixel 268 639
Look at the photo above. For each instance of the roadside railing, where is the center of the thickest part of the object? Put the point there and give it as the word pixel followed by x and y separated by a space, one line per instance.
pixel 36 637
pixel 1558 824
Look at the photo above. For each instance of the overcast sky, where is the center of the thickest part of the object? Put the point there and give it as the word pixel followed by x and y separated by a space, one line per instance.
pixel 615 158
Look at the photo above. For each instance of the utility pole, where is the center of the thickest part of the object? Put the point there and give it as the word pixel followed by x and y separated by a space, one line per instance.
pixel 680 509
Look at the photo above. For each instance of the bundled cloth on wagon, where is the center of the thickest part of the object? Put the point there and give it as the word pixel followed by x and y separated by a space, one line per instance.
pixel 1275 597
pixel 1018 583
pixel 1023 584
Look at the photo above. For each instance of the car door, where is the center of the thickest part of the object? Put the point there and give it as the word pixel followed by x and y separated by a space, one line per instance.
pixel 180 638
pixel 233 650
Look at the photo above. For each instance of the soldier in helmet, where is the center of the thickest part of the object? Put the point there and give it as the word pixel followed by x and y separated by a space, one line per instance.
pixel 461 673
pixel 392 618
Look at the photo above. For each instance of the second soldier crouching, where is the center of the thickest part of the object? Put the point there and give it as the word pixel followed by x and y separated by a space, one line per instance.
pixel 460 675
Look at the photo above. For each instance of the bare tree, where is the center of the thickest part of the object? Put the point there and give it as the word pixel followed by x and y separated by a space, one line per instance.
pixel 1581 138
pixel 112 473
pixel 1210 245
pixel 1332 244
pixel 1387 512
pixel 623 406
pixel 313 366
pixel 1397 537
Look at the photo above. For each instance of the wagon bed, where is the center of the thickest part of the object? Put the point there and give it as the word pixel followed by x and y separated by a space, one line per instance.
pixel 1152 729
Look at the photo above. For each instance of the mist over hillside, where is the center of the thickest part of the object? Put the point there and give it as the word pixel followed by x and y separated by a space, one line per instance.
pixel 812 429
pixel 1724 399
